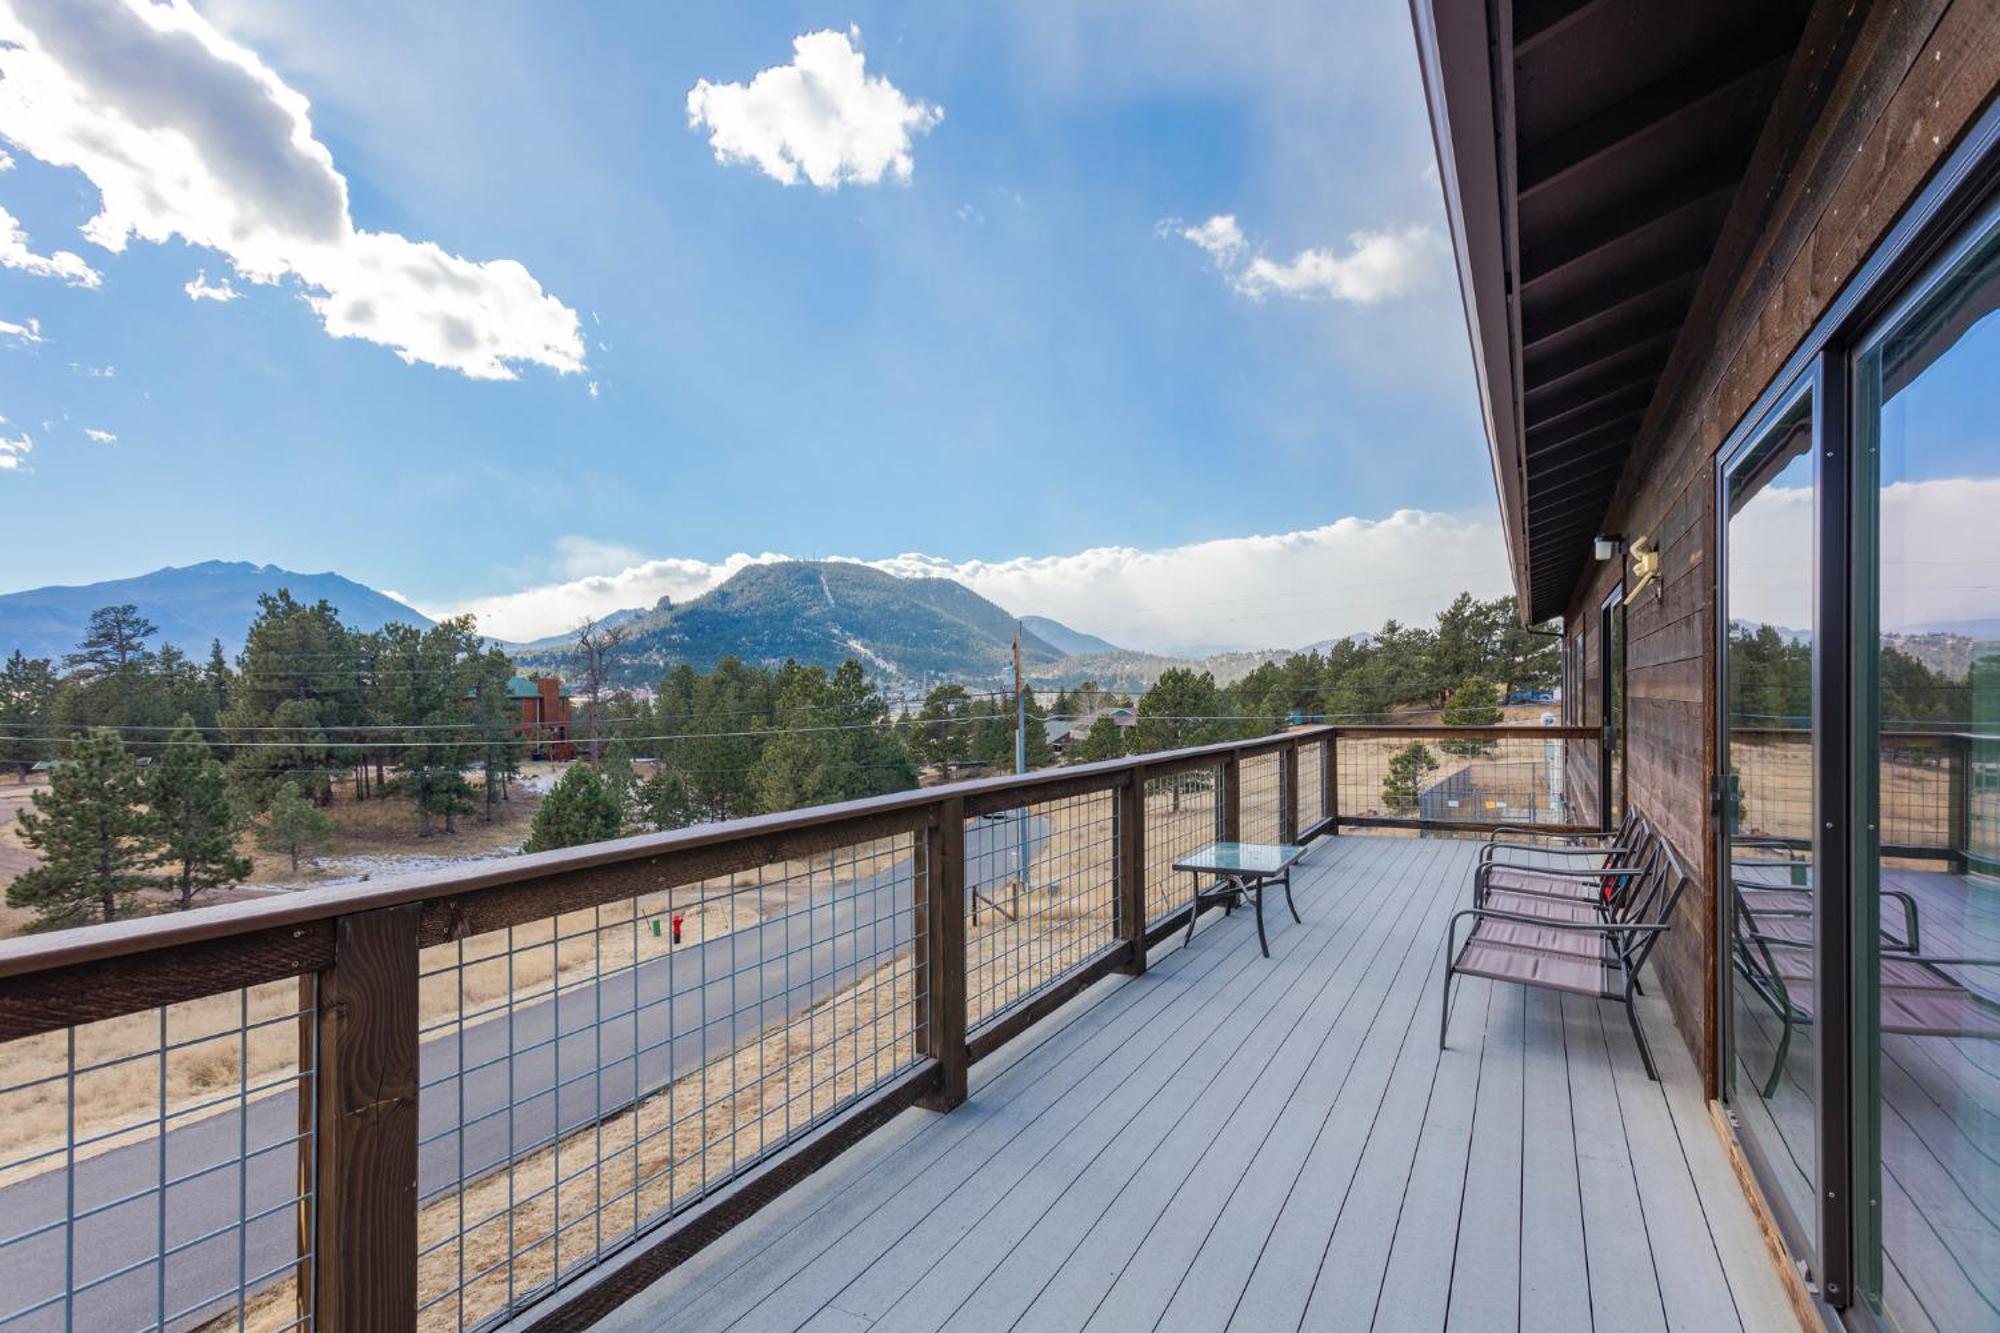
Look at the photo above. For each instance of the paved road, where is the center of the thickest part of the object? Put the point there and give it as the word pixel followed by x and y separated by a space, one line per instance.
pixel 563 1062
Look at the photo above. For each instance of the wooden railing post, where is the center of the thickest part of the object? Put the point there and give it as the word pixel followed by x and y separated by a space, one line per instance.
pixel 1288 794
pixel 1229 816
pixel 944 952
pixel 1958 785
pixel 365 1256
pixel 1131 890
pixel 1329 784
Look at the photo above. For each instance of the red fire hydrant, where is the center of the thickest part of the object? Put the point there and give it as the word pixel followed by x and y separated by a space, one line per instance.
pixel 677 927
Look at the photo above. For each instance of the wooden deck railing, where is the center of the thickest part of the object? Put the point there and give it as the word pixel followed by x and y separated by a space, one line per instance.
pixel 419 988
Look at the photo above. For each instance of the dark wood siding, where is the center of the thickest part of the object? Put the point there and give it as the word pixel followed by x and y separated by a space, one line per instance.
pixel 1917 76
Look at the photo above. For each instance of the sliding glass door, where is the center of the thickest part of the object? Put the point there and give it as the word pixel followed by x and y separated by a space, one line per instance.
pixel 1769 608
pixel 1927 706
pixel 1858 802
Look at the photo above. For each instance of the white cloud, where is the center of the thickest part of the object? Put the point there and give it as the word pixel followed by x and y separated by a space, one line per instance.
pixel 95 372
pixel 1284 590
pixel 14 451
pixel 199 288
pixel 21 335
pixel 100 436
pixel 1219 236
pixel 14 251
pixel 6 160
pixel 187 133
pixel 1940 566
pixel 820 117
pixel 1378 266
pixel 591 388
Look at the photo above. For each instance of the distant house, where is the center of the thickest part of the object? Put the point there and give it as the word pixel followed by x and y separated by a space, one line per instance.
pixel 545 716
pixel 1064 732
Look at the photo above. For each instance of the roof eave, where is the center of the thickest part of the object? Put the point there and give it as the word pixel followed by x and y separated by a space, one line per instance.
pixel 1458 72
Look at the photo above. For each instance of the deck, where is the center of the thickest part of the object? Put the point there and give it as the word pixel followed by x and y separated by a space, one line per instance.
pixel 1238 1142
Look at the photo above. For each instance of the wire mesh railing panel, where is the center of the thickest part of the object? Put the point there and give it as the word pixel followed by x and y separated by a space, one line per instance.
pixel 1260 816
pixel 1025 930
pixel 1465 779
pixel 587 1076
pixel 1773 784
pixel 1312 793
pixel 155 1169
pixel 1183 815
pixel 1919 790
pixel 1982 800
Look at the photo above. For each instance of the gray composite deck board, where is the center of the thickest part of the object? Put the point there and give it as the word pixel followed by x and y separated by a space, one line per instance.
pixel 1239 1142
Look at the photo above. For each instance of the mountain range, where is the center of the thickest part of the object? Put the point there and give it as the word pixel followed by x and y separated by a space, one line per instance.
pixel 823 612
pixel 907 630
pixel 194 605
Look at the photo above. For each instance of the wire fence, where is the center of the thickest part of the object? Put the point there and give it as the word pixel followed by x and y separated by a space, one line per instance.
pixel 1183 815
pixel 155 1169
pixel 588 1076
pixel 1312 783
pixel 1027 930
pixel 1473 780
pixel 585 1076
pixel 1260 809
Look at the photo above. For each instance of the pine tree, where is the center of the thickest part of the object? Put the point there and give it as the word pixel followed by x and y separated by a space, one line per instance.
pixel 1403 783
pixel 500 742
pixel 95 839
pixel 577 810
pixel 189 795
pixel 664 803
pixel 28 690
pixel 1104 740
pixel 1475 703
pixel 294 825
pixel 940 737
pixel 115 640
pixel 620 781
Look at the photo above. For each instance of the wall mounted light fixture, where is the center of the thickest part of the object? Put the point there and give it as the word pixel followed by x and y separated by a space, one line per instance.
pixel 1607 546
pixel 1646 569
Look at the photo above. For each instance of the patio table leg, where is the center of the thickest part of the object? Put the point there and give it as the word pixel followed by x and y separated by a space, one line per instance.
pixel 1256 890
pixel 1288 899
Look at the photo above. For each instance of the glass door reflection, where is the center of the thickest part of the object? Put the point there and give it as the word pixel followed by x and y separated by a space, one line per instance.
pixel 1770 602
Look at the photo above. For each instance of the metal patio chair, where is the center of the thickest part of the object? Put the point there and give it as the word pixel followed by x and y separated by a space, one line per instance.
pixel 1577 946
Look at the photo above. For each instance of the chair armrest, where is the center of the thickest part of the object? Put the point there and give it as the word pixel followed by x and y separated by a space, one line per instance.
pixel 1624 869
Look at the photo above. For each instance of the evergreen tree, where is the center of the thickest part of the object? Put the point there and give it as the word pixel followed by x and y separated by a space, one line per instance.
pixel 1475 703
pixel 940 738
pixel 1040 753
pixel 1179 711
pixel 95 839
pixel 1104 740
pixel 189 795
pixel 620 781
pixel 663 801
pixel 577 810
pixel 114 641
pixel 294 825
pixel 302 679
pixel 428 683
pixel 28 690
pixel 1403 783
pixel 497 722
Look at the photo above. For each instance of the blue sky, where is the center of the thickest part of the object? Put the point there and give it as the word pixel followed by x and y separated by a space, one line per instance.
pixel 1016 353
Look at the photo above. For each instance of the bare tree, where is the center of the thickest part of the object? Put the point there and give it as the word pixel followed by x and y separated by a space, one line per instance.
pixel 595 644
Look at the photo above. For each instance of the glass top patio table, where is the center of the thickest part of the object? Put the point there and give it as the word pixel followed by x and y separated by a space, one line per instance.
pixel 1252 860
